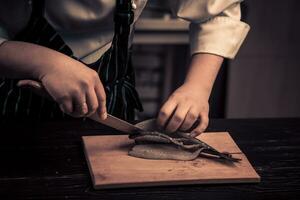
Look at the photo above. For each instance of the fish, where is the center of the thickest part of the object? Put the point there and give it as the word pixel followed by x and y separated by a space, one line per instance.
pixel 172 146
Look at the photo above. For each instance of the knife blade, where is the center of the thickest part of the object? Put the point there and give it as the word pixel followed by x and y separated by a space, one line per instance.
pixel 116 123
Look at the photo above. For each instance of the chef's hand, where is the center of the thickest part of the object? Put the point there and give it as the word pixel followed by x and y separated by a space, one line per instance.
pixel 76 88
pixel 186 106
pixel 189 103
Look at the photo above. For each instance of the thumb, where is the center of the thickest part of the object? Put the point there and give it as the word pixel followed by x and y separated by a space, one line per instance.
pixel 35 86
pixel 30 83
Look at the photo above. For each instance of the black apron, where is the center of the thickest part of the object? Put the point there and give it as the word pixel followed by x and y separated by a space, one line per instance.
pixel 114 69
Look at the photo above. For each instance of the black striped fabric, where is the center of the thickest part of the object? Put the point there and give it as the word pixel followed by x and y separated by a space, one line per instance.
pixel 114 69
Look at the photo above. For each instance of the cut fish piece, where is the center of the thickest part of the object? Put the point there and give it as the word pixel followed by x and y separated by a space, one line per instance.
pixel 163 152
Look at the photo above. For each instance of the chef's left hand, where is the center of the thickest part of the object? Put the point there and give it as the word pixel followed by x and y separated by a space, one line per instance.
pixel 184 107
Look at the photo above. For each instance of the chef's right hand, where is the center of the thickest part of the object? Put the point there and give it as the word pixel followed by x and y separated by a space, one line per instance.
pixel 75 87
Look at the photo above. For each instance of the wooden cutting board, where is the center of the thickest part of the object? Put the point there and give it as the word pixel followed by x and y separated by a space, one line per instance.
pixel 111 167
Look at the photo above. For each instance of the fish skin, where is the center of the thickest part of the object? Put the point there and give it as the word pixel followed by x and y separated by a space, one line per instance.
pixel 151 138
pixel 157 137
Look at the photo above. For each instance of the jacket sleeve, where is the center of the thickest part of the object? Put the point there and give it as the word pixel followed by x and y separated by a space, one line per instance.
pixel 215 25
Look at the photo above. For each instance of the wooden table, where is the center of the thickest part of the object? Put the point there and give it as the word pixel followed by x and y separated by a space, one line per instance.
pixel 47 162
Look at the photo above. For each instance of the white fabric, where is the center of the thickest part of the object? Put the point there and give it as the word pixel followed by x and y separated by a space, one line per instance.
pixel 87 25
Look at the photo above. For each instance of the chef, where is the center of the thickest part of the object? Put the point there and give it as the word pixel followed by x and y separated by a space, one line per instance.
pixel 74 55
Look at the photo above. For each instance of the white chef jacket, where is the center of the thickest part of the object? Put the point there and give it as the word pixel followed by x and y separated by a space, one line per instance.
pixel 87 26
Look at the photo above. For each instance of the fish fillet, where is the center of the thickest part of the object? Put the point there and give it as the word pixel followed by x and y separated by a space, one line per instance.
pixel 163 152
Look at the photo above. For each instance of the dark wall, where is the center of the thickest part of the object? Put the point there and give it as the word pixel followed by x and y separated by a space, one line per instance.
pixel 264 79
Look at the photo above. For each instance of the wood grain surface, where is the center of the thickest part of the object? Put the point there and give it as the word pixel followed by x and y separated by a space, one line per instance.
pixel 111 167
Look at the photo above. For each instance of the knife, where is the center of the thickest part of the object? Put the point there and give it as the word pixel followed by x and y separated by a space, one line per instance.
pixel 116 123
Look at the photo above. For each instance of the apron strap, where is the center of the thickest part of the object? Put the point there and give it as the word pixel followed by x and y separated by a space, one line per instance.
pixel 123 18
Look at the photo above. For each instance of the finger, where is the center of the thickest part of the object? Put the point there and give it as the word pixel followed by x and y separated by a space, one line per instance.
pixel 166 112
pixel 92 102
pixel 66 106
pixel 177 118
pixel 101 96
pixel 80 107
pixel 202 125
pixel 190 119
